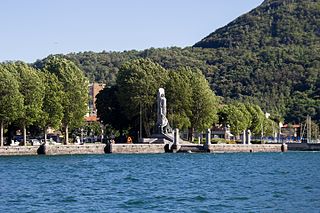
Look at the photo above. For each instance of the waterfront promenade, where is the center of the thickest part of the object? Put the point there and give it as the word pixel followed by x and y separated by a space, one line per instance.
pixel 136 149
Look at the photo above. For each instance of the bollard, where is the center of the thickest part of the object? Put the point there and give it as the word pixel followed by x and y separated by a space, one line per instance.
pixel 176 141
pixel 208 137
pixel 244 137
pixel 176 137
pixel 199 138
pixel 284 147
pixel 248 136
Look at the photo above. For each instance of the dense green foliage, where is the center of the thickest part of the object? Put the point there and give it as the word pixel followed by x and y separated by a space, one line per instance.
pixel 138 82
pixel 110 111
pixel 179 97
pixel 52 109
pixel 52 103
pixel 11 100
pixel 204 103
pixel 190 101
pixel 269 56
pixel 32 89
pixel 56 93
pixel 275 23
pixel 240 117
pixel 74 87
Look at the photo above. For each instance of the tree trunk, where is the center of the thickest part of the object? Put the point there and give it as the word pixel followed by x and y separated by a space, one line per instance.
pixel 1 134
pixel 66 141
pixel 146 125
pixel 24 135
pixel 147 129
pixel 190 134
pixel 45 134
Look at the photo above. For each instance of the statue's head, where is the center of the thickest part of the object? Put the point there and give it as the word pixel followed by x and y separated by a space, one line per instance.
pixel 160 92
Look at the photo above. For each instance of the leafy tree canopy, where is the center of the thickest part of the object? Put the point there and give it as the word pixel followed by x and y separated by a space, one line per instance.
pixel 138 82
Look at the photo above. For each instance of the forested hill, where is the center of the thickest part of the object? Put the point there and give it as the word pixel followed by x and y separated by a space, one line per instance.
pixel 275 23
pixel 269 56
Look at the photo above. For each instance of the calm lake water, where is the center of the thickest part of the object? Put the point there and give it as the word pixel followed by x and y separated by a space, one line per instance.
pixel 247 182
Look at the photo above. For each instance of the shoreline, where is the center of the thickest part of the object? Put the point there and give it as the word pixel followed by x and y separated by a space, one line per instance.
pixel 144 148
pixel 137 149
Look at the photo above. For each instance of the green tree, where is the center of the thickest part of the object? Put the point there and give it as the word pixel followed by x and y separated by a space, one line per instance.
pixel 235 117
pixel 270 127
pixel 204 106
pixel 93 128
pixel 75 89
pixel 52 109
pixel 32 89
pixel 109 110
pixel 11 100
pixel 257 118
pixel 179 98
pixel 138 82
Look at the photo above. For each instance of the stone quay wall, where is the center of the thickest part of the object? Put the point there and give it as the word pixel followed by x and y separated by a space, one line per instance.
pixel 72 149
pixel 229 148
pixel 136 148
pixel 303 146
pixel 18 150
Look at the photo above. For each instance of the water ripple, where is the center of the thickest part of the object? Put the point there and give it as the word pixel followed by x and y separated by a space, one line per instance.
pixel 256 182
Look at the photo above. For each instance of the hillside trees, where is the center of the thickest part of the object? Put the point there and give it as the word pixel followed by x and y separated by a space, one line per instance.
pixel 268 76
pixel 11 100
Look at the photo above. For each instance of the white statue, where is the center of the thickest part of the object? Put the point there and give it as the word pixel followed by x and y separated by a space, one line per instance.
pixel 162 121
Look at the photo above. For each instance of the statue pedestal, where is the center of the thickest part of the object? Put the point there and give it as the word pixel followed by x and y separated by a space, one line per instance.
pixel 158 138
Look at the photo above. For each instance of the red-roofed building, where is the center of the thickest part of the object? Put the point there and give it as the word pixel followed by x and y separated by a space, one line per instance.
pixel 291 131
pixel 91 118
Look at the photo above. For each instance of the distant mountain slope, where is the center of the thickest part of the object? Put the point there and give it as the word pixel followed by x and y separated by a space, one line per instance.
pixel 274 23
pixel 270 56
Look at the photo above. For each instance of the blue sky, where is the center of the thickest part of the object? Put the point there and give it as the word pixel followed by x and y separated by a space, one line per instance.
pixel 33 29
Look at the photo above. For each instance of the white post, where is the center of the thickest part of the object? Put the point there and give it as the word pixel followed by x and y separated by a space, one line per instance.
pixel 199 137
pixel 66 134
pixel 24 135
pixel 1 134
pixel 244 137
pixel 208 137
pixel 248 136
pixel 140 123
pixel 176 137
pixel 81 136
